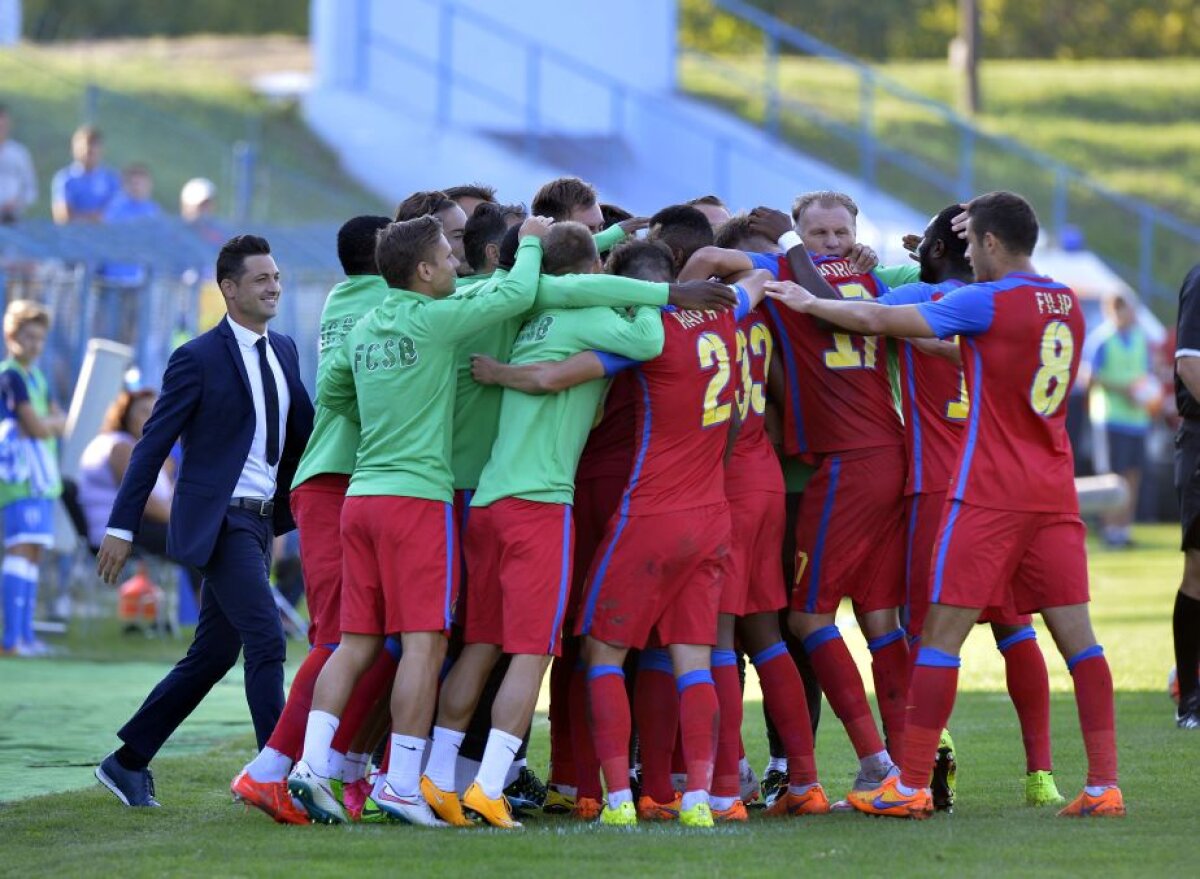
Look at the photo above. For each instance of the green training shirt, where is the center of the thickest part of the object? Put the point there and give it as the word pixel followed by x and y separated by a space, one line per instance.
pixel 898 276
pixel 542 436
pixel 395 373
pixel 476 406
pixel 334 440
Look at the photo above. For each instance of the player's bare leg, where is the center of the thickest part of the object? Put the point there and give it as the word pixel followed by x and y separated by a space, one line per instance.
pixel 1071 627
pixel 843 687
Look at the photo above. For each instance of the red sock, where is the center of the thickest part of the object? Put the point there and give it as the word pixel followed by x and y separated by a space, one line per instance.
pixel 889 668
pixel 375 684
pixel 587 767
pixel 726 782
pixel 562 757
pixel 610 724
pixel 1094 698
pixel 288 735
pixel 656 709
pixel 698 718
pixel 843 688
pixel 783 691
pixel 930 701
pixel 1029 688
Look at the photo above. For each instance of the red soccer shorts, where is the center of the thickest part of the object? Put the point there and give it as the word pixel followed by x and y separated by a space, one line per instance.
pixel 850 533
pixel 924 520
pixel 519 553
pixel 661 574
pixel 755 582
pixel 317 508
pixel 1016 560
pixel 400 565
pixel 596 500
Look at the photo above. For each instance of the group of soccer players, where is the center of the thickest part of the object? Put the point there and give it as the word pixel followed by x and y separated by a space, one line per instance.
pixel 544 442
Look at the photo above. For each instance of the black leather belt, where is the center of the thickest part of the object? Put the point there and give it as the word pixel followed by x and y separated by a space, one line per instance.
pixel 258 505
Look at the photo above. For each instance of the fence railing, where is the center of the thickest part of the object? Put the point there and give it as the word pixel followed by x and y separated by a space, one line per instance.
pixel 924 152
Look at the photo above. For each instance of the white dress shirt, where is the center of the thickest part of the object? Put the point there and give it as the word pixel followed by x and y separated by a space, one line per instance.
pixel 258 477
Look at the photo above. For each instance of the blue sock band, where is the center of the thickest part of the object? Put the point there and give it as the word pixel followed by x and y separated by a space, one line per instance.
pixel 393 646
pixel 1026 633
pixel 819 637
pixel 935 658
pixel 882 641
pixel 656 659
pixel 692 678
pixel 1084 655
pixel 31 590
pixel 599 671
pixel 777 649
pixel 331 647
pixel 721 658
pixel 14 592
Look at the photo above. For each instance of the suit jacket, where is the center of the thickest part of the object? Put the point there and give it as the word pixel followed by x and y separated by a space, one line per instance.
pixel 206 403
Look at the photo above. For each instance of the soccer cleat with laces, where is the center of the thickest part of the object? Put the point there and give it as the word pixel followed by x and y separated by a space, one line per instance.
pixel 773 785
pixel 888 801
pixel 736 812
pixel 355 796
pixel 271 797
pixel 624 815
pixel 410 810
pixel 496 812
pixel 526 793
pixel 944 783
pixel 558 801
pixel 748 781
pixel 315 794
pixel 1040 789
pixel 812 802
pixel 1187 716
pixel 444 803
pixel 1110 804
pixel 649 810
pixel 586 809
pixel 699 815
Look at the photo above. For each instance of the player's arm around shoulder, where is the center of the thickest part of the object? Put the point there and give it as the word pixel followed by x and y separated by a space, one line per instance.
pixel 862 317
pixel 636 335
pixel 335 385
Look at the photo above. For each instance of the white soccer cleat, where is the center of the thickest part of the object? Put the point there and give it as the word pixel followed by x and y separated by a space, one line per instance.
pixel 410 810
pixel 315 794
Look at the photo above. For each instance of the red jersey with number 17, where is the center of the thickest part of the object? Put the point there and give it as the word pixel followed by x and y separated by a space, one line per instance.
pixel 839 396
pixel 754 466
pixel 684 404
pixel 1021 338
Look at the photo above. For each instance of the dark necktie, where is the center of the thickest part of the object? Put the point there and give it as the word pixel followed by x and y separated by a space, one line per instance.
pixel 271 396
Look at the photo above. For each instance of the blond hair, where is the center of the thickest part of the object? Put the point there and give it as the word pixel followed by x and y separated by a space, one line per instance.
pixel 24 311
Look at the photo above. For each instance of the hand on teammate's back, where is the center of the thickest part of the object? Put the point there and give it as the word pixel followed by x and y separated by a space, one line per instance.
pixel 701 296
pixel 770 222
pixel 485 370
pixel 536 226
pixel 790 294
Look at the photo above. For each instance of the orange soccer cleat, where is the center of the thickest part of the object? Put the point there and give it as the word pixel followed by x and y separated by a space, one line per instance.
pixel 736 812
pixel 586 809
pixel 888 801
pixel 812 802
pixel 1110 804
pixel 650 810
pixel 271 797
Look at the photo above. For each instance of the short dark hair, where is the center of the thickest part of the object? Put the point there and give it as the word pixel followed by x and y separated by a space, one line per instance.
pixel 641 259
pixel 402 245
pixel 714 200
pixel 1007 216
pixel 485 226
pixel 614 214
pixel 432 201
pixel 481 191
pixel 825 198
pixel 683 229
pixel 941 229
pixel 356 244
pixel 507 257
pixel 231 261
pixel 558 198
pixel 734 233
pixel 568 247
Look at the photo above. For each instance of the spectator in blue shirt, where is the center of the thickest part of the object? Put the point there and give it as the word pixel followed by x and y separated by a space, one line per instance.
pixel 134 201
pixel 82 191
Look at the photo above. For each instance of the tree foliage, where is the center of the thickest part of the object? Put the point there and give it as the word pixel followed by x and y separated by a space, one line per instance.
pixel 72 20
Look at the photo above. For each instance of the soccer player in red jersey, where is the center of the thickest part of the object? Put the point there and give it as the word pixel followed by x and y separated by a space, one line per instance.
pixel 936 405
pixel 1011 531
pixel 839 413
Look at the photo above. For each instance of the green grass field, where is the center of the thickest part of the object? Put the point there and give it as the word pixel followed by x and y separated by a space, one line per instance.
pixel 57 718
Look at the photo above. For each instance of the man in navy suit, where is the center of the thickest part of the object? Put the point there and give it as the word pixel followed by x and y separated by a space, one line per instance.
pixel 234 400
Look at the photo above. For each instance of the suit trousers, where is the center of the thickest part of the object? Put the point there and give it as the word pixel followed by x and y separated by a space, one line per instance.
pixel 237 614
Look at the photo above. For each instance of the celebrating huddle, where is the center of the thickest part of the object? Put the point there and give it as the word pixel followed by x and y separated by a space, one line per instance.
pixel 542 442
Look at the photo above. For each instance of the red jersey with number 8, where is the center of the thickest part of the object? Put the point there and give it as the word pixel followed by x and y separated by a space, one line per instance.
pixel 684 401
pixel 839 397
pixel 1021 339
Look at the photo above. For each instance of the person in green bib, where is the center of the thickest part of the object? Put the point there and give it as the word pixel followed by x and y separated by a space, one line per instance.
pixel 30 423
pixel 1122 390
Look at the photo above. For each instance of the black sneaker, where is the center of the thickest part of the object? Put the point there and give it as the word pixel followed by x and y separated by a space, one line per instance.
pixel 526 793
pixel 133 787
pixel 1188 714
pixel 774 783
pixel 945 775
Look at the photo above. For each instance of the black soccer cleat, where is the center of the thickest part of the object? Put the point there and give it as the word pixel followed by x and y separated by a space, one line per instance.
pixel 945 775
pixel 773 785
pixel 1187 716
pixel 526 793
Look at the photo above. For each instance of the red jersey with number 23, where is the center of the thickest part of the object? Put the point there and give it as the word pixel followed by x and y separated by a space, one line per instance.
pixel 1021 338
pixel 839 396
pixel 684 401
pixel 754 466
